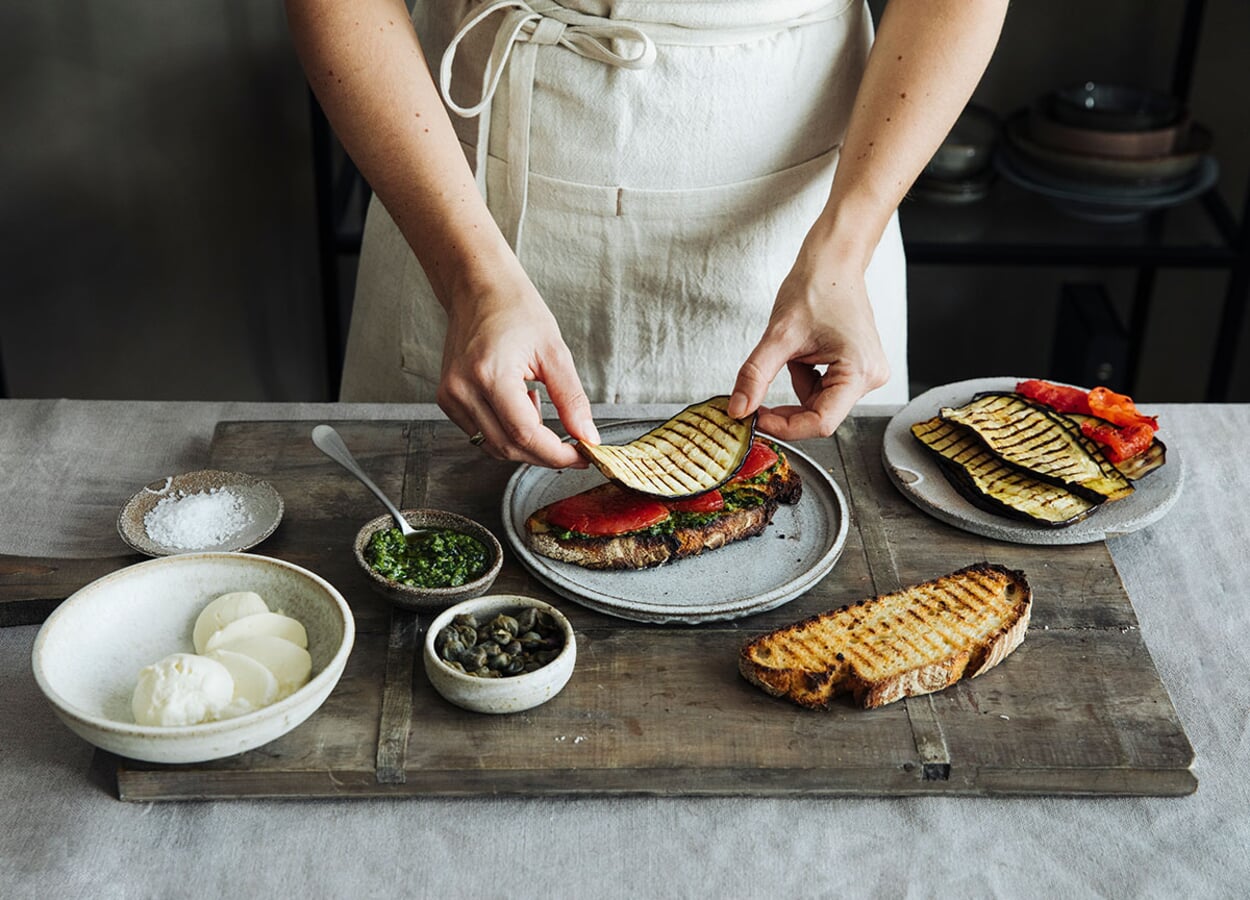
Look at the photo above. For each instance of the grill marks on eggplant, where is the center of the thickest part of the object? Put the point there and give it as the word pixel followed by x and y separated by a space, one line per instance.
pixel 986 481
pixel 697 450
pixel 1045 443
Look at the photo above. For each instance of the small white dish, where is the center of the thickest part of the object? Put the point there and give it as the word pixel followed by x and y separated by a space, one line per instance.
pixel 258 502
pixel 88 654
pixel 513 693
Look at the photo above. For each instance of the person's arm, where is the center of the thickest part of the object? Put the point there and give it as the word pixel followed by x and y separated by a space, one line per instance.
pixel 365 64
pixel 927 59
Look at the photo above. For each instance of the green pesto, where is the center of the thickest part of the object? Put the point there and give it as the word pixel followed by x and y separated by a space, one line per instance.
pixel 437 557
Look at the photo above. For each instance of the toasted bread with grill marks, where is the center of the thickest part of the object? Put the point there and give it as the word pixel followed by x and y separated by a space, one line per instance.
pixel 641 550
pixel 914 641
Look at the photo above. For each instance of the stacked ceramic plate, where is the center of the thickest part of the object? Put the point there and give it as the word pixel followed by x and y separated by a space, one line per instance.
pixel 1108 153
pixel 961 170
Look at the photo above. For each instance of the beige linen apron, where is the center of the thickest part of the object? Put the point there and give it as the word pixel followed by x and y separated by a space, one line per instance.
pixel 656 166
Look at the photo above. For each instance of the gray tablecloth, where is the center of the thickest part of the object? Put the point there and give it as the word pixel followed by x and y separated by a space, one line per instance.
pixel 65 468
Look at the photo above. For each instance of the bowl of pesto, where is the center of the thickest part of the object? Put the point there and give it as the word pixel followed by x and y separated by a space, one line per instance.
pixel 450 559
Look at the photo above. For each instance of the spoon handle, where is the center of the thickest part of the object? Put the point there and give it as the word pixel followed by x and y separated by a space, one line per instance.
pixel 330 443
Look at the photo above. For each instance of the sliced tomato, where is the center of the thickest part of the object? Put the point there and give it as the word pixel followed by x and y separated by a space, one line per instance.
pixel 606 510
pixel 1120 442
pixel 1118 408
pixel 1059 397
pixel 760 458
pixel 709 501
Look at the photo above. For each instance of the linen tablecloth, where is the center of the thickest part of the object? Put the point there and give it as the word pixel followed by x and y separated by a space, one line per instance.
pixel 67 466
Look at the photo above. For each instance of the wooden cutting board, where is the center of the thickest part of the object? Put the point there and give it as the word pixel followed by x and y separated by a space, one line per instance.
pixel 1077 709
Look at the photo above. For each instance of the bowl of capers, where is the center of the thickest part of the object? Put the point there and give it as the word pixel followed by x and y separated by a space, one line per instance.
pixel 500 653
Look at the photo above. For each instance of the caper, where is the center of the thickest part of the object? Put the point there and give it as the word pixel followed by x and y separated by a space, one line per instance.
pixel 525 619
pixel 474 657
pixel 512 648
pixel 515 667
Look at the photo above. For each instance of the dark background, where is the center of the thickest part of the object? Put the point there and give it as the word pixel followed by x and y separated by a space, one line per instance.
pixel 160 232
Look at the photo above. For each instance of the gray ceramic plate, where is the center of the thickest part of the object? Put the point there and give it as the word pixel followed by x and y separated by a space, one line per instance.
pixel 795 552
pixel 261 502
pixel 915 473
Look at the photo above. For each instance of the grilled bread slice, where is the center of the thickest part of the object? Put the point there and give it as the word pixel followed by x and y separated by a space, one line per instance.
pixel 914 641
pixel 679 537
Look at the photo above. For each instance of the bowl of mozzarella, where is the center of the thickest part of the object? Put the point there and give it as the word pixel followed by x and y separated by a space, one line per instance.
pixel 193 657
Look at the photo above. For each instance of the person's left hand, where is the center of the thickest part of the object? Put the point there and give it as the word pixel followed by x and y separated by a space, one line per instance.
pixel 821 317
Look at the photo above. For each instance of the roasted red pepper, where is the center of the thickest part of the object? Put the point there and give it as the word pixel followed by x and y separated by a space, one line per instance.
pixel 1118 409
pixel 707 502
pixel 1119 442
pixel 608 510
pixel 1058 397
pixel 759 458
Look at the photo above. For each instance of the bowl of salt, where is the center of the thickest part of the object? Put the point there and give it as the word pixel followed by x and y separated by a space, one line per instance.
pixel 203 511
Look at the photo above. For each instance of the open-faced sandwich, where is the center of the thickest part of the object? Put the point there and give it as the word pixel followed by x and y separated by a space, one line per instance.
pixel 612 526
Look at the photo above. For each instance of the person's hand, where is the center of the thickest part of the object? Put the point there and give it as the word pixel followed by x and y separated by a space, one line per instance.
pixel 821 317
pixel 496 343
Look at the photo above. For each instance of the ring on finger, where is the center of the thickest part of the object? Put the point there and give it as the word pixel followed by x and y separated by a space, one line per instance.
pixel 477 439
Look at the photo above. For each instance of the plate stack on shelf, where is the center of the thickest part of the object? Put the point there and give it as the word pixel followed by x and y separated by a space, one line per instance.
pixel 961 170
pixel 1108 153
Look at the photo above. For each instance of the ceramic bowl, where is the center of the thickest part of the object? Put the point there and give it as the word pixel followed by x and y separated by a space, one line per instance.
pixel 969 147
pixel 1152 174
pixel 419 598
pixel 89 652
pixel 1115 107
pixel 1049 131
pixel 258 502
pixel 499 695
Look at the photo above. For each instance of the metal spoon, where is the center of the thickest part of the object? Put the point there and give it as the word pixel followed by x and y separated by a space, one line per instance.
pixel 331 444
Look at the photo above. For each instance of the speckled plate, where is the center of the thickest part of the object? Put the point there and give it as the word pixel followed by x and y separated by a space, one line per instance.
pixel 795 552
pixel 915 473
pixel 261 501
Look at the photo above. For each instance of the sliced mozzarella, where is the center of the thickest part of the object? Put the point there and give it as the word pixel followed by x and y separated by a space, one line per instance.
pixel 255 686
pixel 266 624
pixel 222 611
pixel 289 662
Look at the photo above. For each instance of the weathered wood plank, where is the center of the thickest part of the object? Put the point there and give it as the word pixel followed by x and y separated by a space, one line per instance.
pixel 661 710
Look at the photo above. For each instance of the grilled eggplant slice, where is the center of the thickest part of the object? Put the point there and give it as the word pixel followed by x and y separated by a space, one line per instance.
pixel 1046 443
pixel 697 450
pixel 986 481
pixel 1136 467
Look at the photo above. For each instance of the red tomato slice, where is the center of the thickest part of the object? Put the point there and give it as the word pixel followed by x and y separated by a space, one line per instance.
pixel 1118 408
pixel 1120 443
pixel 759 458
pixel 1058 397
pixel 606 510
pixel 710 501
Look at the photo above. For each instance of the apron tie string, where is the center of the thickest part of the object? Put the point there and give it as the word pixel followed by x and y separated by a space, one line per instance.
pixel 523 28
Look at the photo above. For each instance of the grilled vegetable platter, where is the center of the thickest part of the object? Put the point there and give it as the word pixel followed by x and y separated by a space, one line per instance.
pixel 1032 461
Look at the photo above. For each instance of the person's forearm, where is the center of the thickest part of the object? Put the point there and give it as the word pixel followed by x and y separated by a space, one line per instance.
pixel 923 67
pixel 365 65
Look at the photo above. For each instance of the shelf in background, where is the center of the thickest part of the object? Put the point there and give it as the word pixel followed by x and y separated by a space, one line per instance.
pixel 1012 226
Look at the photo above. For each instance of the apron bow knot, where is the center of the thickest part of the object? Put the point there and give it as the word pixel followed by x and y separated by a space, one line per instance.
pixel 543 22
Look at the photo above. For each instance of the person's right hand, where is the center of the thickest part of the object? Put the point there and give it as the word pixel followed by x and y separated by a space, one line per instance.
pixel 498 340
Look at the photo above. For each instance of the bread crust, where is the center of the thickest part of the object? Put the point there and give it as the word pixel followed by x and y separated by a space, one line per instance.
pixel 841 652
pixel 638 551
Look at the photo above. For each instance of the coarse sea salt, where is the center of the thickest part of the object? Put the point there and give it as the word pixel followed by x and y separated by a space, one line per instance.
pixel 203 519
